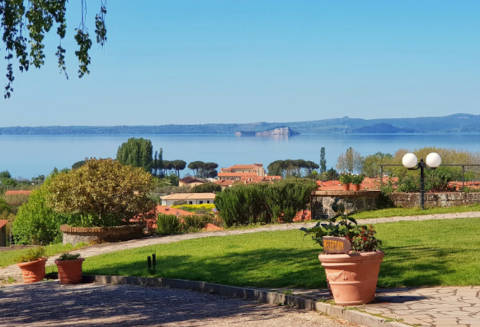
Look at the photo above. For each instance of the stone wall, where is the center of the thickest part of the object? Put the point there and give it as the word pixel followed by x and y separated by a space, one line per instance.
pixel 439 199
pixel 353 201
pixel 74 235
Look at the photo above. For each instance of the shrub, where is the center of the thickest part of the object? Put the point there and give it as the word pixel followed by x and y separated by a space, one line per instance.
pixel 204 208
pixel 207 188
pixel 357 179
pixel 168 224
pixel 36 222
pixel 195 223
pixel 261 203
pixel 103 192
pixel 69 256
pixel 345 178
pixel 32 254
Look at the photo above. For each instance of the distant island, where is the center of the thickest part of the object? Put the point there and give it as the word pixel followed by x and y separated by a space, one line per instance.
pixel 276 132
pixel 452 124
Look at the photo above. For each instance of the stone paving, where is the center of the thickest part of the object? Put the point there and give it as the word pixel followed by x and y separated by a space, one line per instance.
pixel 51 304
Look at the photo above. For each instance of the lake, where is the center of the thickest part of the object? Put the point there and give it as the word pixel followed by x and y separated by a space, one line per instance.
pixel 32 155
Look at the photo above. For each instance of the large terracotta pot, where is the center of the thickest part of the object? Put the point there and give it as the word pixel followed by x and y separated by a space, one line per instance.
pixel 69 271
pixel 356 187
pixel 33 271
pixel 346 186
pixel 352 277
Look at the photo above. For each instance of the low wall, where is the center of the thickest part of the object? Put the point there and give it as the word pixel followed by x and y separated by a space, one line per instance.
pixel 437 199
pixel 353 201
pixel 74 235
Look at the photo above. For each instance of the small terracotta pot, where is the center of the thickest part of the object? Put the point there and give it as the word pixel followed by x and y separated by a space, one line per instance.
pixel 356 187
pixel 33 271
pixel 70 271
pixel 352 277
pixel 346 187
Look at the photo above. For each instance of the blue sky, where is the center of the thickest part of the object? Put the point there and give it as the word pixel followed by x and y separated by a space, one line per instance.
pixel 246 61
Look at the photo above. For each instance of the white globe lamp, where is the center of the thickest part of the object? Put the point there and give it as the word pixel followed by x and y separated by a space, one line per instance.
pixel 433 160
pixel 409 160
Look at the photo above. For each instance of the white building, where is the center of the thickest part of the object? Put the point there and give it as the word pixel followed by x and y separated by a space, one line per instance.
pixel 188 198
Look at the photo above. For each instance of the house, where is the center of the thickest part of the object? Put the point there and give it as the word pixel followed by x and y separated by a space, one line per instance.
pixel 3 232
pixel 187 198
pixel 190 181
pixel 255 169
pixel 246 174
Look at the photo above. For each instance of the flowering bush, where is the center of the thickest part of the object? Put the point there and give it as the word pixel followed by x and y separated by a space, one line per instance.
pixel 364 239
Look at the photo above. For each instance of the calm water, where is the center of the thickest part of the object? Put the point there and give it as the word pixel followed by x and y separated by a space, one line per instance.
pixel 28 156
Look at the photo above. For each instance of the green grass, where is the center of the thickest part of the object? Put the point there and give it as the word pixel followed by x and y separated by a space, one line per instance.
pixel 392 212
pixel 10 257
pixel 441 252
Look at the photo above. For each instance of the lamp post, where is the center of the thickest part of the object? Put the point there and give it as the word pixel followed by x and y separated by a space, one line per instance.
pixel 432 161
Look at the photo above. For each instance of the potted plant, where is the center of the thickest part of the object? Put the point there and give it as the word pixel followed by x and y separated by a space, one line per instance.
pixel 32 264
pixel 356 180
pixel 69 268
pixel 351 258
pixel 345 179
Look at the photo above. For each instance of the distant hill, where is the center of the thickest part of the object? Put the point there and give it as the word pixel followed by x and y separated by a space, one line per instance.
pixel 452 124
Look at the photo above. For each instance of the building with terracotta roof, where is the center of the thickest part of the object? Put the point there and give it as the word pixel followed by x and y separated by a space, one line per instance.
pixel 191 181
pixel 245 174
pixel 187 198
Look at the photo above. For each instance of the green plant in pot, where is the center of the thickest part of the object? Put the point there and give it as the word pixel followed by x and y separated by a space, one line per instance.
pixel 351 257
pixel 356 181
pixel 32 265
pixel 345 179
pixel 69 268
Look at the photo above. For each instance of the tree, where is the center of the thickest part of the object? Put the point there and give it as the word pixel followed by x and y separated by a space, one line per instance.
pixel 297 168
pixel 350 161
pixel 207 188
pixel 136 152
pixel 25 27
pixel 371 163
pixel 203 169
pixel 103 191
pixel 38 223
pixel 323 161
pixel 178 165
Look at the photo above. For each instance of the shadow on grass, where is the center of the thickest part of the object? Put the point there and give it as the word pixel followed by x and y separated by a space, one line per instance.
pixel 414 266
pixel 258 268
pixel 48 303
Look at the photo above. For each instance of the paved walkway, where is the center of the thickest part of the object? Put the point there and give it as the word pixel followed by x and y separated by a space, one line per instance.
pixel 50 304
pixel 432 307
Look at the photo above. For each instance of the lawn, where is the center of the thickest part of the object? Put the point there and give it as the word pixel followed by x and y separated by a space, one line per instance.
pixel 9 257
pixel 392 212
pixel 442 252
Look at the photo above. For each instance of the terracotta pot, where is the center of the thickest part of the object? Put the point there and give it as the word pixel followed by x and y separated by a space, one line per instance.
pixel 33 271
pixel 352 277
pixel 69 271
pixel 356 187
pixel 346 187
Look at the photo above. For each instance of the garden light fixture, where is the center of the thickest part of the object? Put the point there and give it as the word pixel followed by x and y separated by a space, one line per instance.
pixel 432 161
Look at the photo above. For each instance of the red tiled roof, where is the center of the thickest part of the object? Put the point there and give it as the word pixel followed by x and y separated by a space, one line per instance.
pixel 3 222
pixel 236 174
pixel 171 211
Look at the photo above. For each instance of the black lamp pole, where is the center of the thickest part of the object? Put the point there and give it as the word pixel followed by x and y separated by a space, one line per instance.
pixel 421 166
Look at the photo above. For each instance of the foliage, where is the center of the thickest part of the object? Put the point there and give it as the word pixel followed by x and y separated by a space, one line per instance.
pixel 103 192
pixel 195 223
pixel 203 169
pixel 351 161
pixel 32 254
pixel 78 164
pixel 254 203
pixel 136 152
pixel 207 188
pixel 168 224
pixel 361 237
pixel 345 178
pixel 69 256
pixel 25 28
pixel 323 161
pixel 36 222
pixel 371 163
pixel 357 179
pixel 329 175
pixel 205 208
pixel 296 168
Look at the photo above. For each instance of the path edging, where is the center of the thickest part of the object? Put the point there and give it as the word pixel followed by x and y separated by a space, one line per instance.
pixel 249 293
